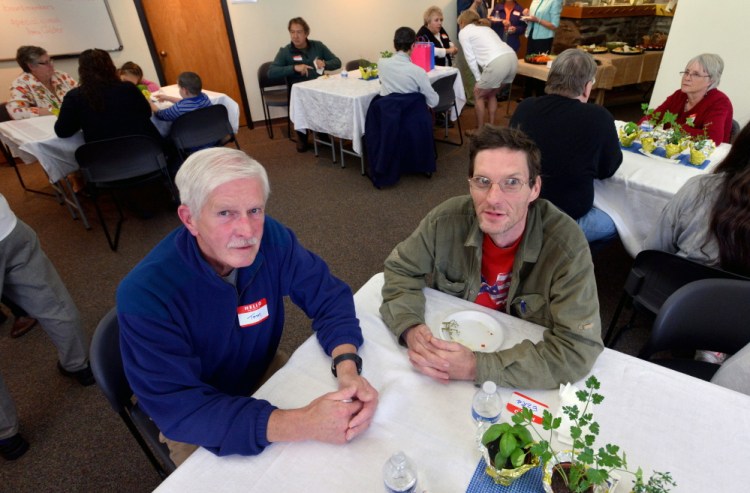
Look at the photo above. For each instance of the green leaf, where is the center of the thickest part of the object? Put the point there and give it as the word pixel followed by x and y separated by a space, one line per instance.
pixel 508 444
pixel 597 398
pixel 594 428
pixel 589 439
pixel 517 458
pixel 556 423
pixel 500 461
pixel 523 434
pixel 586 457
pixel 592 383
pixel 596 476
pixel 575 432
pixel 494 432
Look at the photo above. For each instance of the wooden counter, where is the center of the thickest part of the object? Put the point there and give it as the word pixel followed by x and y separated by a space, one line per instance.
pixel 614 71
pixel 588 12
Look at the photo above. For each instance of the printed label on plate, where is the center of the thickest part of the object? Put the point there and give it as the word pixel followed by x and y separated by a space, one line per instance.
pixel 518 401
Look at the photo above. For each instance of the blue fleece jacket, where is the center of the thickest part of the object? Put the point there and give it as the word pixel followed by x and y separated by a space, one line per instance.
pixel 186 356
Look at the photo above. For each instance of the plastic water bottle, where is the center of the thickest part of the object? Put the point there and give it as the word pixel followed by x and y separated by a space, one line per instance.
pixel 399 474
pixel 486 406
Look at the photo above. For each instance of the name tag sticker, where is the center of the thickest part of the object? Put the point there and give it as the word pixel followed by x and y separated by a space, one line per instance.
pixel 515 12
pixel 252 314
pixel 518 401
pixel 444 35
pixel 297 58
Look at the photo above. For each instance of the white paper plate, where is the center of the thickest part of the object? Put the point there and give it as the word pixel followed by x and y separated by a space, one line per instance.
pixel 475 330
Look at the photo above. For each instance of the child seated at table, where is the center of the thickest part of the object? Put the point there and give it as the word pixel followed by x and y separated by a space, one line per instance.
pixel 191 98
pixel 131 72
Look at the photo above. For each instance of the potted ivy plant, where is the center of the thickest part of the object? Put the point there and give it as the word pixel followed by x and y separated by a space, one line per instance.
pixel 584 468
pixel 506 452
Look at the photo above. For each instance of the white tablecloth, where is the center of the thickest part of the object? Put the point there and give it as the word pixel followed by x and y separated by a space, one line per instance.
pixel 664 420
pixel 338 105
pixel 640 189
pixel 34 138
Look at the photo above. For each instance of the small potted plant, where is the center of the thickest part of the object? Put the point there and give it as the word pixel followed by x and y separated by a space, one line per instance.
pixel 506 451
pixel 584 468
pixel 369 72
pixel 628 134
pixel 701 148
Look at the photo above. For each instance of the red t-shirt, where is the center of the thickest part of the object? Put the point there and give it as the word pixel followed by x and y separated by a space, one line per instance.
pixel 497 267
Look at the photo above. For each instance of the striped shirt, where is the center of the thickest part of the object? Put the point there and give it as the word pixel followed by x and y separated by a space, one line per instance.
pixel 183 106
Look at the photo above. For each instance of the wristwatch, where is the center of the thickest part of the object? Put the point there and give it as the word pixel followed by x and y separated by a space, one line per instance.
pixel 344 357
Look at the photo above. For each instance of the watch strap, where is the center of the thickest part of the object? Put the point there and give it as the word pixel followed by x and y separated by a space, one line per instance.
pixel 347 357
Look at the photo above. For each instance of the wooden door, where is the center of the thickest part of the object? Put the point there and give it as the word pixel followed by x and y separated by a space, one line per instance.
pixel 191 35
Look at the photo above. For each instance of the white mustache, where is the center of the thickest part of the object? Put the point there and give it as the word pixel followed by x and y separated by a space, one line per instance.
pixel 242 242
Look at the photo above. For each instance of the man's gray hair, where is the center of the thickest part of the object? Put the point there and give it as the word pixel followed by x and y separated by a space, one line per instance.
pixel 570 72
pixel 208 169
pixel 712 64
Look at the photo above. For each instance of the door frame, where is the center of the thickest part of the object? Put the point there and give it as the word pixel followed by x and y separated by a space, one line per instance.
pixel 232 46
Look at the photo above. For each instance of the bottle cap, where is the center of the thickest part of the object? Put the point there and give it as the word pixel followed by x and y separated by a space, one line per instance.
pixel 489 387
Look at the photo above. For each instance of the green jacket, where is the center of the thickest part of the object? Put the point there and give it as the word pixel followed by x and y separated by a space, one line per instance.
pixel 283 64
pixel 552 285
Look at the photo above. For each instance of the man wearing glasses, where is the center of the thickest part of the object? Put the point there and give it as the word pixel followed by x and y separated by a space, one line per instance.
pixel 40 89
pixel 578 142
pixel 504 248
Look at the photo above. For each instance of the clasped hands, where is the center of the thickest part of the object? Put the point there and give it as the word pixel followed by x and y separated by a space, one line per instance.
pixel 439 359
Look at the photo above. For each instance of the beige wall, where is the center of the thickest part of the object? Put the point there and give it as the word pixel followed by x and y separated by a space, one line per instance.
pixel 351 29
pixel 356 29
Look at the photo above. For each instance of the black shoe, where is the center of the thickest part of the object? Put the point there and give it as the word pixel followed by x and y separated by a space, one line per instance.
pixel 84 377
pixel 301 146
pixel 14 447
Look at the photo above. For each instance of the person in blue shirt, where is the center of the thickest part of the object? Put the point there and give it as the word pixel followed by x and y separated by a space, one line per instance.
pixel 202 315
pixel 191 98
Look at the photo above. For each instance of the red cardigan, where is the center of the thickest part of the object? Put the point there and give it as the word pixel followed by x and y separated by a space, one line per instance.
pixel 715 108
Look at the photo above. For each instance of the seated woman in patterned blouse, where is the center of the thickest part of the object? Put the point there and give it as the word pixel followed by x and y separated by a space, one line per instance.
pixel 40 89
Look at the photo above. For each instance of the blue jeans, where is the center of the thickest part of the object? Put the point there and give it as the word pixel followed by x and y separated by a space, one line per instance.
pixel 597 225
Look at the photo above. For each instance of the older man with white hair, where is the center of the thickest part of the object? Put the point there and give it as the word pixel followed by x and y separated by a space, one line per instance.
pixel 202 315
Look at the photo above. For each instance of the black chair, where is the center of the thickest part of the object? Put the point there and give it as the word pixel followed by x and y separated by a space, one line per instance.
pixel 273 93
pixel 355 64
pixel 709 314
pixel 122 162
pixel 735 130
pixel 655 275
pixel 4 117
pixel 201 128
pixel 444 88
pixel 106 364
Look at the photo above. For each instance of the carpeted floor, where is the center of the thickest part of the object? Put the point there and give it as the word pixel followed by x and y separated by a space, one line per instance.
pixel 77 442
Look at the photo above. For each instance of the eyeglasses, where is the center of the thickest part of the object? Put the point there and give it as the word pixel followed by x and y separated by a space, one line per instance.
pixel 48 62
pixel 507 185
pixel 691 75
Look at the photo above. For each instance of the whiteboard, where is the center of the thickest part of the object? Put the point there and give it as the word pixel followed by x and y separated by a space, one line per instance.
pixel 62 27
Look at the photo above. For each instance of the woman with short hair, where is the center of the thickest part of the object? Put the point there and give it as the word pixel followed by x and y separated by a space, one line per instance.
pixel 40 88
pixel 433 32
pixel 700 107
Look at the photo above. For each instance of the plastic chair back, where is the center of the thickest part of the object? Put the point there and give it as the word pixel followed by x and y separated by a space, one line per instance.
pixel 273 92
pixel 355 64
pixel 107 162
pixel 655 275
pixel 204 127
pixel 106 364
pixel 447 102
pixel 709 314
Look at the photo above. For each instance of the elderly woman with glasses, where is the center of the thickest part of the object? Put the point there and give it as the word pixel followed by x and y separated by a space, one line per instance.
pixel 700 107
pixel 40 89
